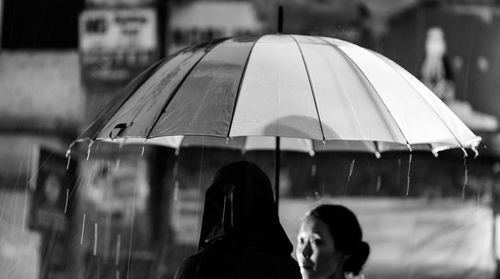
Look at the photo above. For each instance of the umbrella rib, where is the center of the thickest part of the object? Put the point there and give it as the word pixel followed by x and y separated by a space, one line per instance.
pixel 208 49
pixel 371 85
pixel 311 86
pixel 438 115
pixel 239 86
pixel 153 68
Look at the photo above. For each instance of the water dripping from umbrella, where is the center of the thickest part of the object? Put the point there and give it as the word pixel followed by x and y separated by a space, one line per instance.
pixel 83 229
pixel 466 178
pixel 95 238
pixel 408 174
pixel 66 203
pixel 88 149
pixel 68 155
pixel 351 169
pixel 118 247
pixel 131 231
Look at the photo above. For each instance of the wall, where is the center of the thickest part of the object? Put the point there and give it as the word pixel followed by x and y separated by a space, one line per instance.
pixel 40 91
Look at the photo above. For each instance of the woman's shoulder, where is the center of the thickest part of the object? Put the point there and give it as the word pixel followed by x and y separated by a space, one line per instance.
pixel 189 269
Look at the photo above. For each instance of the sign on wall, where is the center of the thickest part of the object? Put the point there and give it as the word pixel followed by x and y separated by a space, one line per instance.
pixel 202 21
pixel 53 198
pixel 116 45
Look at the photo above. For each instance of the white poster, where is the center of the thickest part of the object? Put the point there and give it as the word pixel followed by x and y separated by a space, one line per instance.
pixel 117 44
pixel 118 30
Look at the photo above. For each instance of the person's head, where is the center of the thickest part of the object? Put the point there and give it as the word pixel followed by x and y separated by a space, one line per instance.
pixel 329 243
pixel 240 207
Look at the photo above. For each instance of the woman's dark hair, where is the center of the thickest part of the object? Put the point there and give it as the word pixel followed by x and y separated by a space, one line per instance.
pixel 346 233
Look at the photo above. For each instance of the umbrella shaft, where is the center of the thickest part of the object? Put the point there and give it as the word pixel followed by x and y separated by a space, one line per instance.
pixel 277 173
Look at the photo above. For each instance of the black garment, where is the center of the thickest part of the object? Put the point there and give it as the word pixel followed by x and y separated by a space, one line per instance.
pixel 241 236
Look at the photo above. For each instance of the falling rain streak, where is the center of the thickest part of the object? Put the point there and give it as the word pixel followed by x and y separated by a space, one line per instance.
pixel 68 155
pixel 408 175
pixel 131 233
pixel 118 246
pixel 66 203
pixel 69 160
pixel 95 239
pixel 88 149
pixel 466 178
pixel 399 170
pixel 25 207
pixel 176 191
pixel 351 169
pixel 83 229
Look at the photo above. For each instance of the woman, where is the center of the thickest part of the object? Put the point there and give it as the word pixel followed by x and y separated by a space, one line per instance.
pixel 241 236
pixel 330 244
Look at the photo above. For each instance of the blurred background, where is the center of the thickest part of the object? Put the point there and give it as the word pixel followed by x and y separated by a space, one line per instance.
pixel 125 212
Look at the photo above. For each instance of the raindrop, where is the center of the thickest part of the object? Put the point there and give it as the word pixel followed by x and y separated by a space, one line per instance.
pixel 379 182
pixel 408 175
pixel 227 140
pixel 377 155
pixel 142 150
pixel 324 143
pixel 117 164
pixel 95 239
pixel 66 204
pixel 83 229
pixel 118 246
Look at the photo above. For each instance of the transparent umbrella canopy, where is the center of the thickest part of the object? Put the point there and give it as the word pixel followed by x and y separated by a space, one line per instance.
pixel 335 93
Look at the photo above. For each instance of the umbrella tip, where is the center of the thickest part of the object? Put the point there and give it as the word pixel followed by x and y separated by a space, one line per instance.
pixel 280 19
pixel 435 153
pixel 464 152
pixel 409 147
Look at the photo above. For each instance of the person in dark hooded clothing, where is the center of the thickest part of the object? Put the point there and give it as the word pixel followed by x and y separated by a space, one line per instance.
pixel 241 236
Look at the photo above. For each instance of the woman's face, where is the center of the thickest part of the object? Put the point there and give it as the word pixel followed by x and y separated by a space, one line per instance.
pixel 316 251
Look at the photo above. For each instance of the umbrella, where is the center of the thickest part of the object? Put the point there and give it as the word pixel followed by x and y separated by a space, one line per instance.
pixel 292 86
